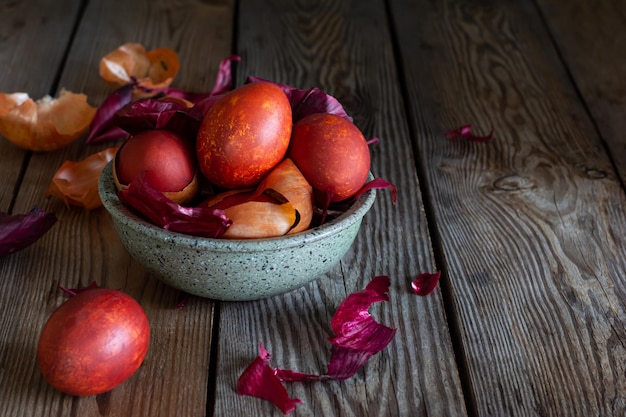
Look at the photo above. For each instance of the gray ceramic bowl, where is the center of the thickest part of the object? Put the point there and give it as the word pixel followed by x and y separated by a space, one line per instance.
pixel 234 270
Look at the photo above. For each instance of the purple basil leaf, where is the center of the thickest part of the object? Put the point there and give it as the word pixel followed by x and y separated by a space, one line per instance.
pixel 19 231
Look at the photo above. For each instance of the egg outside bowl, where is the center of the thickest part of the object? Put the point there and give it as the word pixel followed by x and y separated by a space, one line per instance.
pixel 233 270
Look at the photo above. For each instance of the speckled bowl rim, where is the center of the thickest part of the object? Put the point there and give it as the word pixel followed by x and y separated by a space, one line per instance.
pixel 111 202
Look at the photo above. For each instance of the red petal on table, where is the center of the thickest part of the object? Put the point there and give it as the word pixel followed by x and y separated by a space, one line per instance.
pixel 76 183
pixel 19 231
pixel 258 380
pixel 142 197
pixel 306 102
pixel 466 132
pixel 425 283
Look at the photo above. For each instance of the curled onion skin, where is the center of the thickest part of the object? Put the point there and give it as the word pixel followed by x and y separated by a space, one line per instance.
pixel 46 124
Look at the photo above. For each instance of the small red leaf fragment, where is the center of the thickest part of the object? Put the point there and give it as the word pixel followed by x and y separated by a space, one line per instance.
pixel 75 291
pixel 466 132
pixel 373 141
pixel 258 380
pixel 378 183
pixel 19 231
pixel 425 283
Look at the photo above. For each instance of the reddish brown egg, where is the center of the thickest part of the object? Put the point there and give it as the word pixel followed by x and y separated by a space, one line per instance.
pixel 167 158
pixel 332 154
pixel 244 135
pixel 93 342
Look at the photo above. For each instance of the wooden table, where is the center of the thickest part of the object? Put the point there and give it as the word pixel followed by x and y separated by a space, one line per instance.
pixel 528 229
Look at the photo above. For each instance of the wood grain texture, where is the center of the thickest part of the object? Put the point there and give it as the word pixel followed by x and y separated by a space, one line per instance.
pixel 591 39
pixel 24 52
pixel 531 222
pixel 345 49
pixel 83 246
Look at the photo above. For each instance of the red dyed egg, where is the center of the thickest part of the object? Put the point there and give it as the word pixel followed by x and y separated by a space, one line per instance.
pixel 167 158
pixel 93 342
pixel 332 154
pixel 244 135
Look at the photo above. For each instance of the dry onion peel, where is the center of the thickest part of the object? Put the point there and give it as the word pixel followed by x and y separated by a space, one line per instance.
pixel 465 132
pixel 287 179
pixel 105 128
pixel 307 102
pixel 76 183
pixel 152 69
pixel 150 203
pixel 19 231
pixel 259 380
pixel 425 283
pixel 282 203
pixel 260 219
pixel 46 124
pixel 357 338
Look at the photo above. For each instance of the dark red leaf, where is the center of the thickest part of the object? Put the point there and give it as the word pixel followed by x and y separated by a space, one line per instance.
pixel 425 283
pixel 153 113
pixel 306 102
pixel 102 127
pixel 354 327
pixel 224 80
pixel 466 132
pixel 19 231
pixel 259 380
pixel 142 197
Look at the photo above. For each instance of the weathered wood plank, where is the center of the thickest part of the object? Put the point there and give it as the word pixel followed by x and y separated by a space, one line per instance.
pixel 531 223
pixel 83 247
pixel 345 49
pixel 30 61
pixel 590 37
